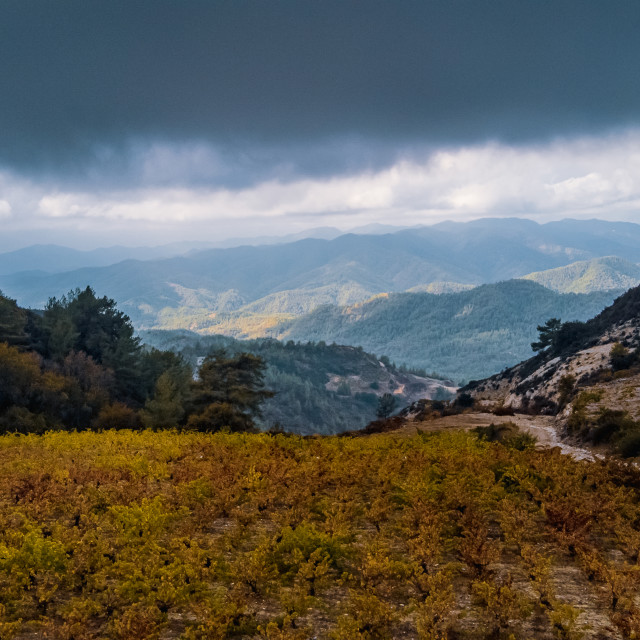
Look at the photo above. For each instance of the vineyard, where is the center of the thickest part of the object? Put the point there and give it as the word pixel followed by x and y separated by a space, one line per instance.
pixel 135 535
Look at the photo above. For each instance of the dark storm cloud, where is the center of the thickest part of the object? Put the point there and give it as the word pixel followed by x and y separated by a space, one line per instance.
pixel 268 81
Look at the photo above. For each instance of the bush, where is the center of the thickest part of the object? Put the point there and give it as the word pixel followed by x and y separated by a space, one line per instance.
pixel 629 444
pixel 507 434
pixel 117 416
pixel 566 388
pixel 21 420
pixel 521 442
pixel 609 423
pixel 503 411
pixel 220 415
pixel 620 357
pixel 495 433
pixel 464 400
pixel 578 420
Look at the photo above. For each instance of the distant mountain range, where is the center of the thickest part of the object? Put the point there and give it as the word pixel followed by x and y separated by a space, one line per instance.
pixel 283 289
pixel 309 272
pixel 52 258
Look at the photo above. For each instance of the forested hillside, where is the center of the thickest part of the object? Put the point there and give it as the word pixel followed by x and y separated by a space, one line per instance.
pixel 470 334
pixel 319 388
pixel 599 274
pixel 78 365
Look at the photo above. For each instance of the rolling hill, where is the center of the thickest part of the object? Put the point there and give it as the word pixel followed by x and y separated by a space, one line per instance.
pixel 469 334
pixel 599 274
pixel 319 388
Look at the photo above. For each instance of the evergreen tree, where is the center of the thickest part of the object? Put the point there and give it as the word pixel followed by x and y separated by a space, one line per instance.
pixel 167 406
pixel 228 392
pixel 12 322
pixel 547 334
pixel 386 405
pixel 83 322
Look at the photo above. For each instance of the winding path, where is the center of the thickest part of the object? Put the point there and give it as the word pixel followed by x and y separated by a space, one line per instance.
pixel 543 428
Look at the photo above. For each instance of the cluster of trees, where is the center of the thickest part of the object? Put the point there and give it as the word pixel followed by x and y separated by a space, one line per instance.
pixel 561 338
pixel 78 364
pixel 83 366
pixel 299 371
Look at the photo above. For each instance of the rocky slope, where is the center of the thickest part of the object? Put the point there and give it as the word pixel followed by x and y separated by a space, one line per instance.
pixel 589 377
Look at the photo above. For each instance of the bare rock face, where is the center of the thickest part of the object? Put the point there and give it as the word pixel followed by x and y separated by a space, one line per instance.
pixel 549 384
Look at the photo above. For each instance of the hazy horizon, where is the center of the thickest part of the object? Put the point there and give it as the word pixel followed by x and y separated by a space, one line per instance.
pixel 218 120
pixel 90 241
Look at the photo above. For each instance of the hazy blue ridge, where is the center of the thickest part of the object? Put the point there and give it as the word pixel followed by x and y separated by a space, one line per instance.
pixel 465 335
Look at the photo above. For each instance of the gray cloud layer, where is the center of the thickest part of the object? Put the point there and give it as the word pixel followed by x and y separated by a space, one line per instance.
pixel 123 120
pixel 289 85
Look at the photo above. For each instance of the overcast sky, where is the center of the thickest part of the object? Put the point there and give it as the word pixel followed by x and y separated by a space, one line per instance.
pixel 145 122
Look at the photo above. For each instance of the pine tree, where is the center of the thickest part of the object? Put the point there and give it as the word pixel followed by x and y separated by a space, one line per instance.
pixel 228 392
pixel 548 332
pixel 12 322
pixel 386 405
pixel 167 407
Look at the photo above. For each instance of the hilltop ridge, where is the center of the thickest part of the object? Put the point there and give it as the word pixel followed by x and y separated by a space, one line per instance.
pixel 598 274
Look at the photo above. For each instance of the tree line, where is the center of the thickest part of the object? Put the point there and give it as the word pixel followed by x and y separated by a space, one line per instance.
pixel 78 364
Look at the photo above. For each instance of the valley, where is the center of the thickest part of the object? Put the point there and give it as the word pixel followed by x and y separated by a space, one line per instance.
pixel 319 388
pixel 353 288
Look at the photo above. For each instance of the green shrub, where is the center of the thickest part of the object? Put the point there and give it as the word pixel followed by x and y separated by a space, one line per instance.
pixel 629 444
pixel 611 423
pixel 620 357
pixel 566 388
pixel 117 416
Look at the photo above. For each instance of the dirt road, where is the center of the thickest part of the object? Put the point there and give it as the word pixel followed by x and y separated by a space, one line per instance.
pixel 543 428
